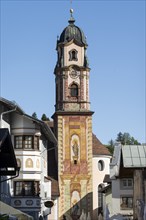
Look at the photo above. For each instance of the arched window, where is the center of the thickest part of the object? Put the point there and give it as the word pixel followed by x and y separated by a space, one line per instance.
pixel 74 90
pixel 73 55
pixel 101 165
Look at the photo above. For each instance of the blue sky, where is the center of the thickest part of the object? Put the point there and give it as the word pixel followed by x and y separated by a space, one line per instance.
pixel 115 33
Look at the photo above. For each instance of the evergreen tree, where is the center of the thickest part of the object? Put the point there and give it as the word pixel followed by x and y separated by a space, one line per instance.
pixel 110 146
pixel 34 115
pixel 119 137
pixel 123 138
pixel 44 118
pixel 126 139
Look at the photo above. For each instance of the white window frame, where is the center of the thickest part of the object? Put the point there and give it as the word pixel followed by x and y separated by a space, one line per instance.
pixel 126 198
pixel 125 183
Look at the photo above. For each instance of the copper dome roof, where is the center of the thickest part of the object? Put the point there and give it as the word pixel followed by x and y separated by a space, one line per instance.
pixel 72 32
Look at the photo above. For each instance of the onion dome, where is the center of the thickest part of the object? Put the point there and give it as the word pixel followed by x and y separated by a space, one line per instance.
pixel 72 32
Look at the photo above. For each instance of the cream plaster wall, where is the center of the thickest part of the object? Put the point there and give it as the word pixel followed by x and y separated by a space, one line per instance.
pixel 80 55
pixel 70 80
pixel 54 211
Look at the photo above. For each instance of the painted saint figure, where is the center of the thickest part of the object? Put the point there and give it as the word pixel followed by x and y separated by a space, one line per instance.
pixel 75 148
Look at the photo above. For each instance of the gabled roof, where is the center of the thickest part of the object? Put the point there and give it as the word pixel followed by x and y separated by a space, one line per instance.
pixel 116 160
pixel 134 156
pixel 44 127
pixel 127 157
pixel 8 163
pixel 98 147
pixel 12 105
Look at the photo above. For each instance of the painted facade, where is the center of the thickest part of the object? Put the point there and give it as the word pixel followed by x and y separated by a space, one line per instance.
pixel 75 164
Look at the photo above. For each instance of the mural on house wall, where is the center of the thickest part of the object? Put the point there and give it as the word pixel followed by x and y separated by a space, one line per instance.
pixel 29 163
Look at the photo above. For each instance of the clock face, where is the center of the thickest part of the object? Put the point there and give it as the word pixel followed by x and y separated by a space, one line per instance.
pixel 74 74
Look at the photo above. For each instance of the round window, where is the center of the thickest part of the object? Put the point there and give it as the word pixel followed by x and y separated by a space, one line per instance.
pixel 101 165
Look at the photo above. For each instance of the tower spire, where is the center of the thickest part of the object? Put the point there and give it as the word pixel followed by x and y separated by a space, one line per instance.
pixel 71 20
pixel 71 12
pixel 71 2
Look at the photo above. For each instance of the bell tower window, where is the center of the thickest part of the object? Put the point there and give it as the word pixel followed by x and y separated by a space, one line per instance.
pixel 73 55
pixel 74 90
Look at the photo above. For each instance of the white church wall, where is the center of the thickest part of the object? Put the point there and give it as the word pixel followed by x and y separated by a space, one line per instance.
pixel 99 175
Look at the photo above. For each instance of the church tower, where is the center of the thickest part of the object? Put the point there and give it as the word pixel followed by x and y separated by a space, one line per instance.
pixel 73 123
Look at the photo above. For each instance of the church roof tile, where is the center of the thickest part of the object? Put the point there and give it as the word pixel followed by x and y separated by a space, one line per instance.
pixel 98 147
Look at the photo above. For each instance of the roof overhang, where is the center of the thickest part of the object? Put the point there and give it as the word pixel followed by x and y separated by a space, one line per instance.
pixel 8 163
pixel 44 128
pixel 7 209
pixel 71 113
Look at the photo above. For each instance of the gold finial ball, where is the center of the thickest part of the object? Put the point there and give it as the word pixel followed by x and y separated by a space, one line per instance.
pixel 71 10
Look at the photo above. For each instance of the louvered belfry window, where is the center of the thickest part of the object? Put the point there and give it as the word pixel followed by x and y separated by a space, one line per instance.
pixel 74 90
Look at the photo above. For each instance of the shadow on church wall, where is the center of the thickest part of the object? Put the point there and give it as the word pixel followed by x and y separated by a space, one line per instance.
pixel 80 210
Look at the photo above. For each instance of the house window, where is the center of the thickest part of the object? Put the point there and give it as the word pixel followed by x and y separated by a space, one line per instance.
pixel 73 55
pixel 26 188
pixel 26 142
pixel 36 142
pixel 101 165
pixel 74 90
pixel 18 142
pixel 126 183
pixel 126 202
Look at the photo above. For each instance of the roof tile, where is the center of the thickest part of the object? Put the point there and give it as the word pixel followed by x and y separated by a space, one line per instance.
pixel 98 147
